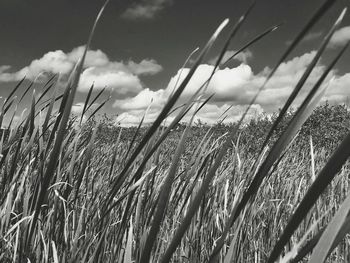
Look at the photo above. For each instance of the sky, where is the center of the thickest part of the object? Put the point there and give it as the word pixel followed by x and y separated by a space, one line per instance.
pixel 140 46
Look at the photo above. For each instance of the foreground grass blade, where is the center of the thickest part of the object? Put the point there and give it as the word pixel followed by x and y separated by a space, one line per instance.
pixel 303 79
pixel 250 43
pixel 86 103
pixel 171 102
pixel 299 118
pixel 323 179
pixel 14 90
pixel 164 197
pixel 326 241
pixel 50 170
pixel 319 13
pixel 194 96
pixel 309 246
pixel 320 183
pixel 94 100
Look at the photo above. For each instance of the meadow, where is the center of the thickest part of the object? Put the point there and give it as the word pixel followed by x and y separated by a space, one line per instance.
pixel 83 189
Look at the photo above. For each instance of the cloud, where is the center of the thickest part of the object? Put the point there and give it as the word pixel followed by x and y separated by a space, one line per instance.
pixel 243 56
pixel 54 62
pixel 147 9
pixel 209 114
pixel 120 81
pixel 121 77
pixel 212 113
pixel 309 37
pixel 340 37
pixel 142 100
pixel 133 117
pixel 237 86
pixel 312 36
pixel 339 89
pixel 77 108
pixel 224 84
pixel 145 67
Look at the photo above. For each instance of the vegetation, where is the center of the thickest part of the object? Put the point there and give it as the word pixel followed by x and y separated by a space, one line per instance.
pixel 74 191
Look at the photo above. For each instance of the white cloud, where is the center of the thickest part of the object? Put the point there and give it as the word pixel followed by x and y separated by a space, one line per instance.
pixel 94 58
pixel 224 84
pixel 243 56
pixel 212 113
pixel 142 100
pixel 77 108
pixel 121 77
pixel 133 117
pixel 341 37
pixel 312 36
pixel 145 67
pixel 209 114
pixel 234 85
pixel 309 37
pixel 237 86
pixel 146 9
pixel 119 81
pixel 53 61
pixel 339 89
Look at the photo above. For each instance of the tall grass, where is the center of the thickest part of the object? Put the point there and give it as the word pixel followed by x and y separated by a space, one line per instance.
pixel 68 197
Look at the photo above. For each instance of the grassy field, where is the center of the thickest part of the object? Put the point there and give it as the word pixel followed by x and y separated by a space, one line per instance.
pixel 274 188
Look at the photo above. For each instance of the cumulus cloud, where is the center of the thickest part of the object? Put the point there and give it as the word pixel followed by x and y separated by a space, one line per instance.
pixel 224 84
pixel 339 89
pixel 212 113
pixel 77 108
pixel 237 86
pixel 340 37
pixel 142 100
pixel 243 56
pixel 120 81
pixel 146 9
pixel 133 117
pixel 209 114
pixel 145 67
pixel 121 77
pixel 309 37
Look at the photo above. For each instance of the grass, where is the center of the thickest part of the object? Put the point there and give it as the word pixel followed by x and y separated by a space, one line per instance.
pixel 90 191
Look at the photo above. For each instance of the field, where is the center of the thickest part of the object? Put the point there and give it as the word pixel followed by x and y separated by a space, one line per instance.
pixel 83 189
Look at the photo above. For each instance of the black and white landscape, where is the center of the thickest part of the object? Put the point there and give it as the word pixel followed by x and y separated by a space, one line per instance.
pixel 174 131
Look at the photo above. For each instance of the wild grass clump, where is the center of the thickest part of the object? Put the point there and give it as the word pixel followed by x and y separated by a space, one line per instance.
pixel 88 191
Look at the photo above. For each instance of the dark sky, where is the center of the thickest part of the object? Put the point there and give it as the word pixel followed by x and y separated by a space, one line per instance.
pixel 31 28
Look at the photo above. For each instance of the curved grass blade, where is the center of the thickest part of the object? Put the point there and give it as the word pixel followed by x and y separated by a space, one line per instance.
pixel 254 40
pixel 328 237
pixel 298 119
pixel 182 68
pixel 26 91
pixel 98 108
pixel 14 90
pixel 321 182
pixel 137 132
pixel 70 90
pixel 164 195
pixel 94 100
pixel 193 207
pixel 172 100
pixel 86 102
pixel 309 246
pixel 303 79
